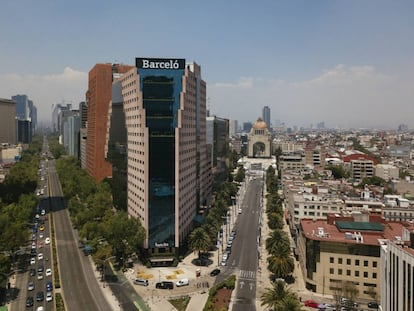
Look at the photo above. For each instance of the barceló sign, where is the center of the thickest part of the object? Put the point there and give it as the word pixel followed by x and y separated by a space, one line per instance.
pixel 160 63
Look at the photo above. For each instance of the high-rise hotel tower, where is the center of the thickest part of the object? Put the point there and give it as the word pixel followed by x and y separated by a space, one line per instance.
pixel 169 175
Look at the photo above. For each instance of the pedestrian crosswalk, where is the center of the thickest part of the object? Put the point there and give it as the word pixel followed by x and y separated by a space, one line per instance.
pixel 247 274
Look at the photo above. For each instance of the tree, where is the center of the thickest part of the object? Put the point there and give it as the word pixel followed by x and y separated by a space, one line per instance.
pixel 278 243
pixel 199 241
pixel 338 171
pixel 281 265
pixel 280 298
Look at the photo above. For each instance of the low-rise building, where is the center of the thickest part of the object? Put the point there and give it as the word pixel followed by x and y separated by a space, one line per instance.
pixel 340 250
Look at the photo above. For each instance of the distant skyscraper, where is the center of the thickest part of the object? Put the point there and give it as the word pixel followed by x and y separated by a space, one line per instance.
pixel 233 128
pixel 98 97
pixel 169 173
pixel 7 121
pixel 266 117
pixel 26 114
pixel 247 126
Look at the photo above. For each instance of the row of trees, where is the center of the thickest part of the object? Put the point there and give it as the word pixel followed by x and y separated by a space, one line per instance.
pixel 203 238
pixel 280 260
pixel 107 231
pixel 17 206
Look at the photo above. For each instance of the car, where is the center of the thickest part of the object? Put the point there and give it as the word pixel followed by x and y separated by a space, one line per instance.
pixel 373 305
pixel 48 272
pixel 43 212
pixel 40 296
pixel 325 306
pixel 42 228
pixel 142 282
pixel 49 286
pixel 29 301
pixel 40 268
pixel 41 235
pixel 40 256
pixel 32 272
pixel 182 282
pixel 49 296
pixel 33 252
pixel 30 286
pixel 40 275
pixel 40 308
pixel 32 261
pixel 47 240
pixel 164 285
pixel 215 272
pixel 224 262
pixel 240 210
pixel 33 245
pixel 311 303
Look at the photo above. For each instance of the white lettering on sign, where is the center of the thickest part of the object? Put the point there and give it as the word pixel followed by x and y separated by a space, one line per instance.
pixel 165 244
pixel 171 64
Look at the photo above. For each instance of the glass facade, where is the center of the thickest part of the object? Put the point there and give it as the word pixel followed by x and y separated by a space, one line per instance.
pixel 161 90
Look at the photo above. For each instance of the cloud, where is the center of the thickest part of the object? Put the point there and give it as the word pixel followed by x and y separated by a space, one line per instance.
pixel 68 86
pixel 243 83
pixel 342 96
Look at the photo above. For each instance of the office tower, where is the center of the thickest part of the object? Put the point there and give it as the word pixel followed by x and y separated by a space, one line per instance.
pixel 169 174
pixel 266 117
pixel 26 115
pixel 233 128
pixel 98 98
pixel 7 121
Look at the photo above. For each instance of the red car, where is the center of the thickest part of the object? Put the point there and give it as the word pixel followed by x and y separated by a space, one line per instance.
pixel 311 303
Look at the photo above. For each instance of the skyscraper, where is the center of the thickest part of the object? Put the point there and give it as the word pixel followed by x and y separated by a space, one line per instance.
pixel 266 116
pixel 169 174
pixel 98 98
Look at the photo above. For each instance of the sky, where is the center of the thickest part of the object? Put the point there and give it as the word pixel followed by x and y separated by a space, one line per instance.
pixel 347 63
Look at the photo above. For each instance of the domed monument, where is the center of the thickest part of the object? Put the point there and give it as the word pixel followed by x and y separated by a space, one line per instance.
pixel 260 140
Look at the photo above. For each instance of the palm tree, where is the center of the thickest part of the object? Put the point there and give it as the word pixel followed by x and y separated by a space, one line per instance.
pixel 278 243
pixel 281 265
pixel 273 297
pixel 199 241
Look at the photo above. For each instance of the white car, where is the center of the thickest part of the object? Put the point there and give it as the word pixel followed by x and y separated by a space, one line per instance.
pixel 49 296
pixel 240 210
pixel 41 235
pixel 40 308
pixel 32 261
pixel 48 272
pixel 182 282
pixel 40 256
pixel 47 240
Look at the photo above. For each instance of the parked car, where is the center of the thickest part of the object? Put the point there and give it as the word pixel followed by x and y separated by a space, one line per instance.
pixel 311 303
pixel 373 305
pixel 48 272
pixel 49 286
pixel 215 272
pixel 164 285
pixel 142 282
pixel 182 282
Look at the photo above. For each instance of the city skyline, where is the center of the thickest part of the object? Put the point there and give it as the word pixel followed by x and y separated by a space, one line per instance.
pixel 348 64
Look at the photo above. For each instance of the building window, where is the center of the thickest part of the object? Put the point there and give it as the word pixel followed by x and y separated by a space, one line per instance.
pixel 348 272
pixel 348 261
pixel 365 263
pixel 340 261
pixel 356 262
pixel 365 274
pixel 357 273
pixel 374 275
pixel 331 271
pixel 331 260
pixel 340 271
pixel 374 264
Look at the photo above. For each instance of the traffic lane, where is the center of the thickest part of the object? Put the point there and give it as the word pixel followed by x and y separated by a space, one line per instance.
pixel 246 249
